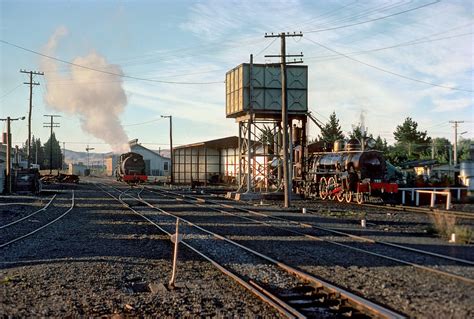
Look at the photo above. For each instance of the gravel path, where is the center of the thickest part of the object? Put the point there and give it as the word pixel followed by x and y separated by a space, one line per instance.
pixel 102 260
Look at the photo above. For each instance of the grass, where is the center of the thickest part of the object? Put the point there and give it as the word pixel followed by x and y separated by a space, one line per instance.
pixel 8 279
pixel 445 225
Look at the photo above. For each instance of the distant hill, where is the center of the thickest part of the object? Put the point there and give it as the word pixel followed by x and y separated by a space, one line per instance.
pixel 81 157
pixel 97 158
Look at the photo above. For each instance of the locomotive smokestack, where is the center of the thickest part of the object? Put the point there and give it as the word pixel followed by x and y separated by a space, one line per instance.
pixel 89 90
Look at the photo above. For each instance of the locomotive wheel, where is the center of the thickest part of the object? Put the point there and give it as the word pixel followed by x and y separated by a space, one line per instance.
pixel 360 198
pixel 340 196
pixel 331 186
pixel 348 197
pixel 323 191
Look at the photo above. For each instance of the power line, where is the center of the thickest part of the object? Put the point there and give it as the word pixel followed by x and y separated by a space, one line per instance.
pixel 367 12
pixel 408 43
pixel 375 19
pixel 11 91
pixel 103 71
pixel 141 123
pixel 325 15
pixel 149 58
pixel 264 49
pixel 387 71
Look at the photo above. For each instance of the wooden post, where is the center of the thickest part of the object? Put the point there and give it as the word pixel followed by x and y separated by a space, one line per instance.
pixel 175 239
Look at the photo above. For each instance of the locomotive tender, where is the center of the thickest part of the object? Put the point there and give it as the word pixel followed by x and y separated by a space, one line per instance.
pixel 345 175
pixel 131 168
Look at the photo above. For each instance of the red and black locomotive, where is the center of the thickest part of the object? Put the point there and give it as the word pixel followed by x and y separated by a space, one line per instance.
pixel 131 168
pixel 346 174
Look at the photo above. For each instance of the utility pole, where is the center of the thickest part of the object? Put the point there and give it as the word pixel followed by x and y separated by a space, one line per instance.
pixel 9 154
pixel 89 149
pixel 31 83
pixel 63 161
pixel 171 146
pixel 284 107
pixel 51 125
pixel 455 155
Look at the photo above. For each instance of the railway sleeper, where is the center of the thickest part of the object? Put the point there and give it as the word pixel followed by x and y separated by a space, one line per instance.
pixel 314 301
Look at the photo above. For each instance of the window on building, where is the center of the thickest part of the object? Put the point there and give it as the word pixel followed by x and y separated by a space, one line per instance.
pixel 165 166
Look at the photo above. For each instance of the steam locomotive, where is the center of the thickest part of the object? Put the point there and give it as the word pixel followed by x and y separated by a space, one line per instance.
pixel 131 168
pixel 346 174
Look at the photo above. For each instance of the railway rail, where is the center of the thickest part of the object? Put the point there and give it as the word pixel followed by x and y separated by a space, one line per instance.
pixel 291 291
pixel 50 216
pixel 27 216
pixel 465 277
pixel 431 211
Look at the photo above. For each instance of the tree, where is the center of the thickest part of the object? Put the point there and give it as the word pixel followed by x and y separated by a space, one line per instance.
pixel 357 134
pixel 409 139
pixel 381 144
pixel 56 153
pixel 464 147
pixel 331 132
pixel 37 151
pixel 440 149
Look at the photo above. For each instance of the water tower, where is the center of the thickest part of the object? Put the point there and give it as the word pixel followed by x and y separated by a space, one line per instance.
pixel 254 100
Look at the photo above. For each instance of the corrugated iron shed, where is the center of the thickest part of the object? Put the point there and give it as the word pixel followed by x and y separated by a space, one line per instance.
pixel 214 161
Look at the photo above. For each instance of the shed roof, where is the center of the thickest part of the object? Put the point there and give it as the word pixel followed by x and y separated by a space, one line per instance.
pixel 134 143
pixel 221 143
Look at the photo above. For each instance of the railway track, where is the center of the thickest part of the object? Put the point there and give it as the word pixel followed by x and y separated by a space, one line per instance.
pixel 23 227
pixel 389 249
pixel 291 291
pixel 27 216
pixel 430 211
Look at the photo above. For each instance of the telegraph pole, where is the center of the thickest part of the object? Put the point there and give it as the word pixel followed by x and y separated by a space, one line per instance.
pixel 171 146
pixel 89 149
pixel 455 155
pixel 9 154
pixel 31 83
pixel 51 125
pixel 284 107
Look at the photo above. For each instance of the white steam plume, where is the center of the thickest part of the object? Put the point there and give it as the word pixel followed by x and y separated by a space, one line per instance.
pixel 96 98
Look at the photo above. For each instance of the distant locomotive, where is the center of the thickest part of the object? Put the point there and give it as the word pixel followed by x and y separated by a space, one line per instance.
pixel 131 168
pixel 346 175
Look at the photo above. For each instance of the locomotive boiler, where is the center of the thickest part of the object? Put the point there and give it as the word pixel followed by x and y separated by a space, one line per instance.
pixel 345 174
pixel 131 168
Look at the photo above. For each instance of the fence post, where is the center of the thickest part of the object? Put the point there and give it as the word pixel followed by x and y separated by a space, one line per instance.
pixel 433 197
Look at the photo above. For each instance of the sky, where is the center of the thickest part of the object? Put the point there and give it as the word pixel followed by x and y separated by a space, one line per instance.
pixel 112 68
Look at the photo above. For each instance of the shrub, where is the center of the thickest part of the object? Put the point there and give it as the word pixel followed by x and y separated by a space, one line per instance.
pixel 444 225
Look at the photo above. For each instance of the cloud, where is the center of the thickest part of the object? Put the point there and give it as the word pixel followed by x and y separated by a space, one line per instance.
pixel 340 85
pixel 448 105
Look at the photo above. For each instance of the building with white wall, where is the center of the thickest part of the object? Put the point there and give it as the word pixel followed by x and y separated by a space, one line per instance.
pixel 110 164
pixel 155 164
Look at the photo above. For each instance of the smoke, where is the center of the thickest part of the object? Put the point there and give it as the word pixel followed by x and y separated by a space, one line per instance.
pixel 363 129
pixel 98 99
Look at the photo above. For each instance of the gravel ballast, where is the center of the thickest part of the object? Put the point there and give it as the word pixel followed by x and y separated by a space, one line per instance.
pixel 102 260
